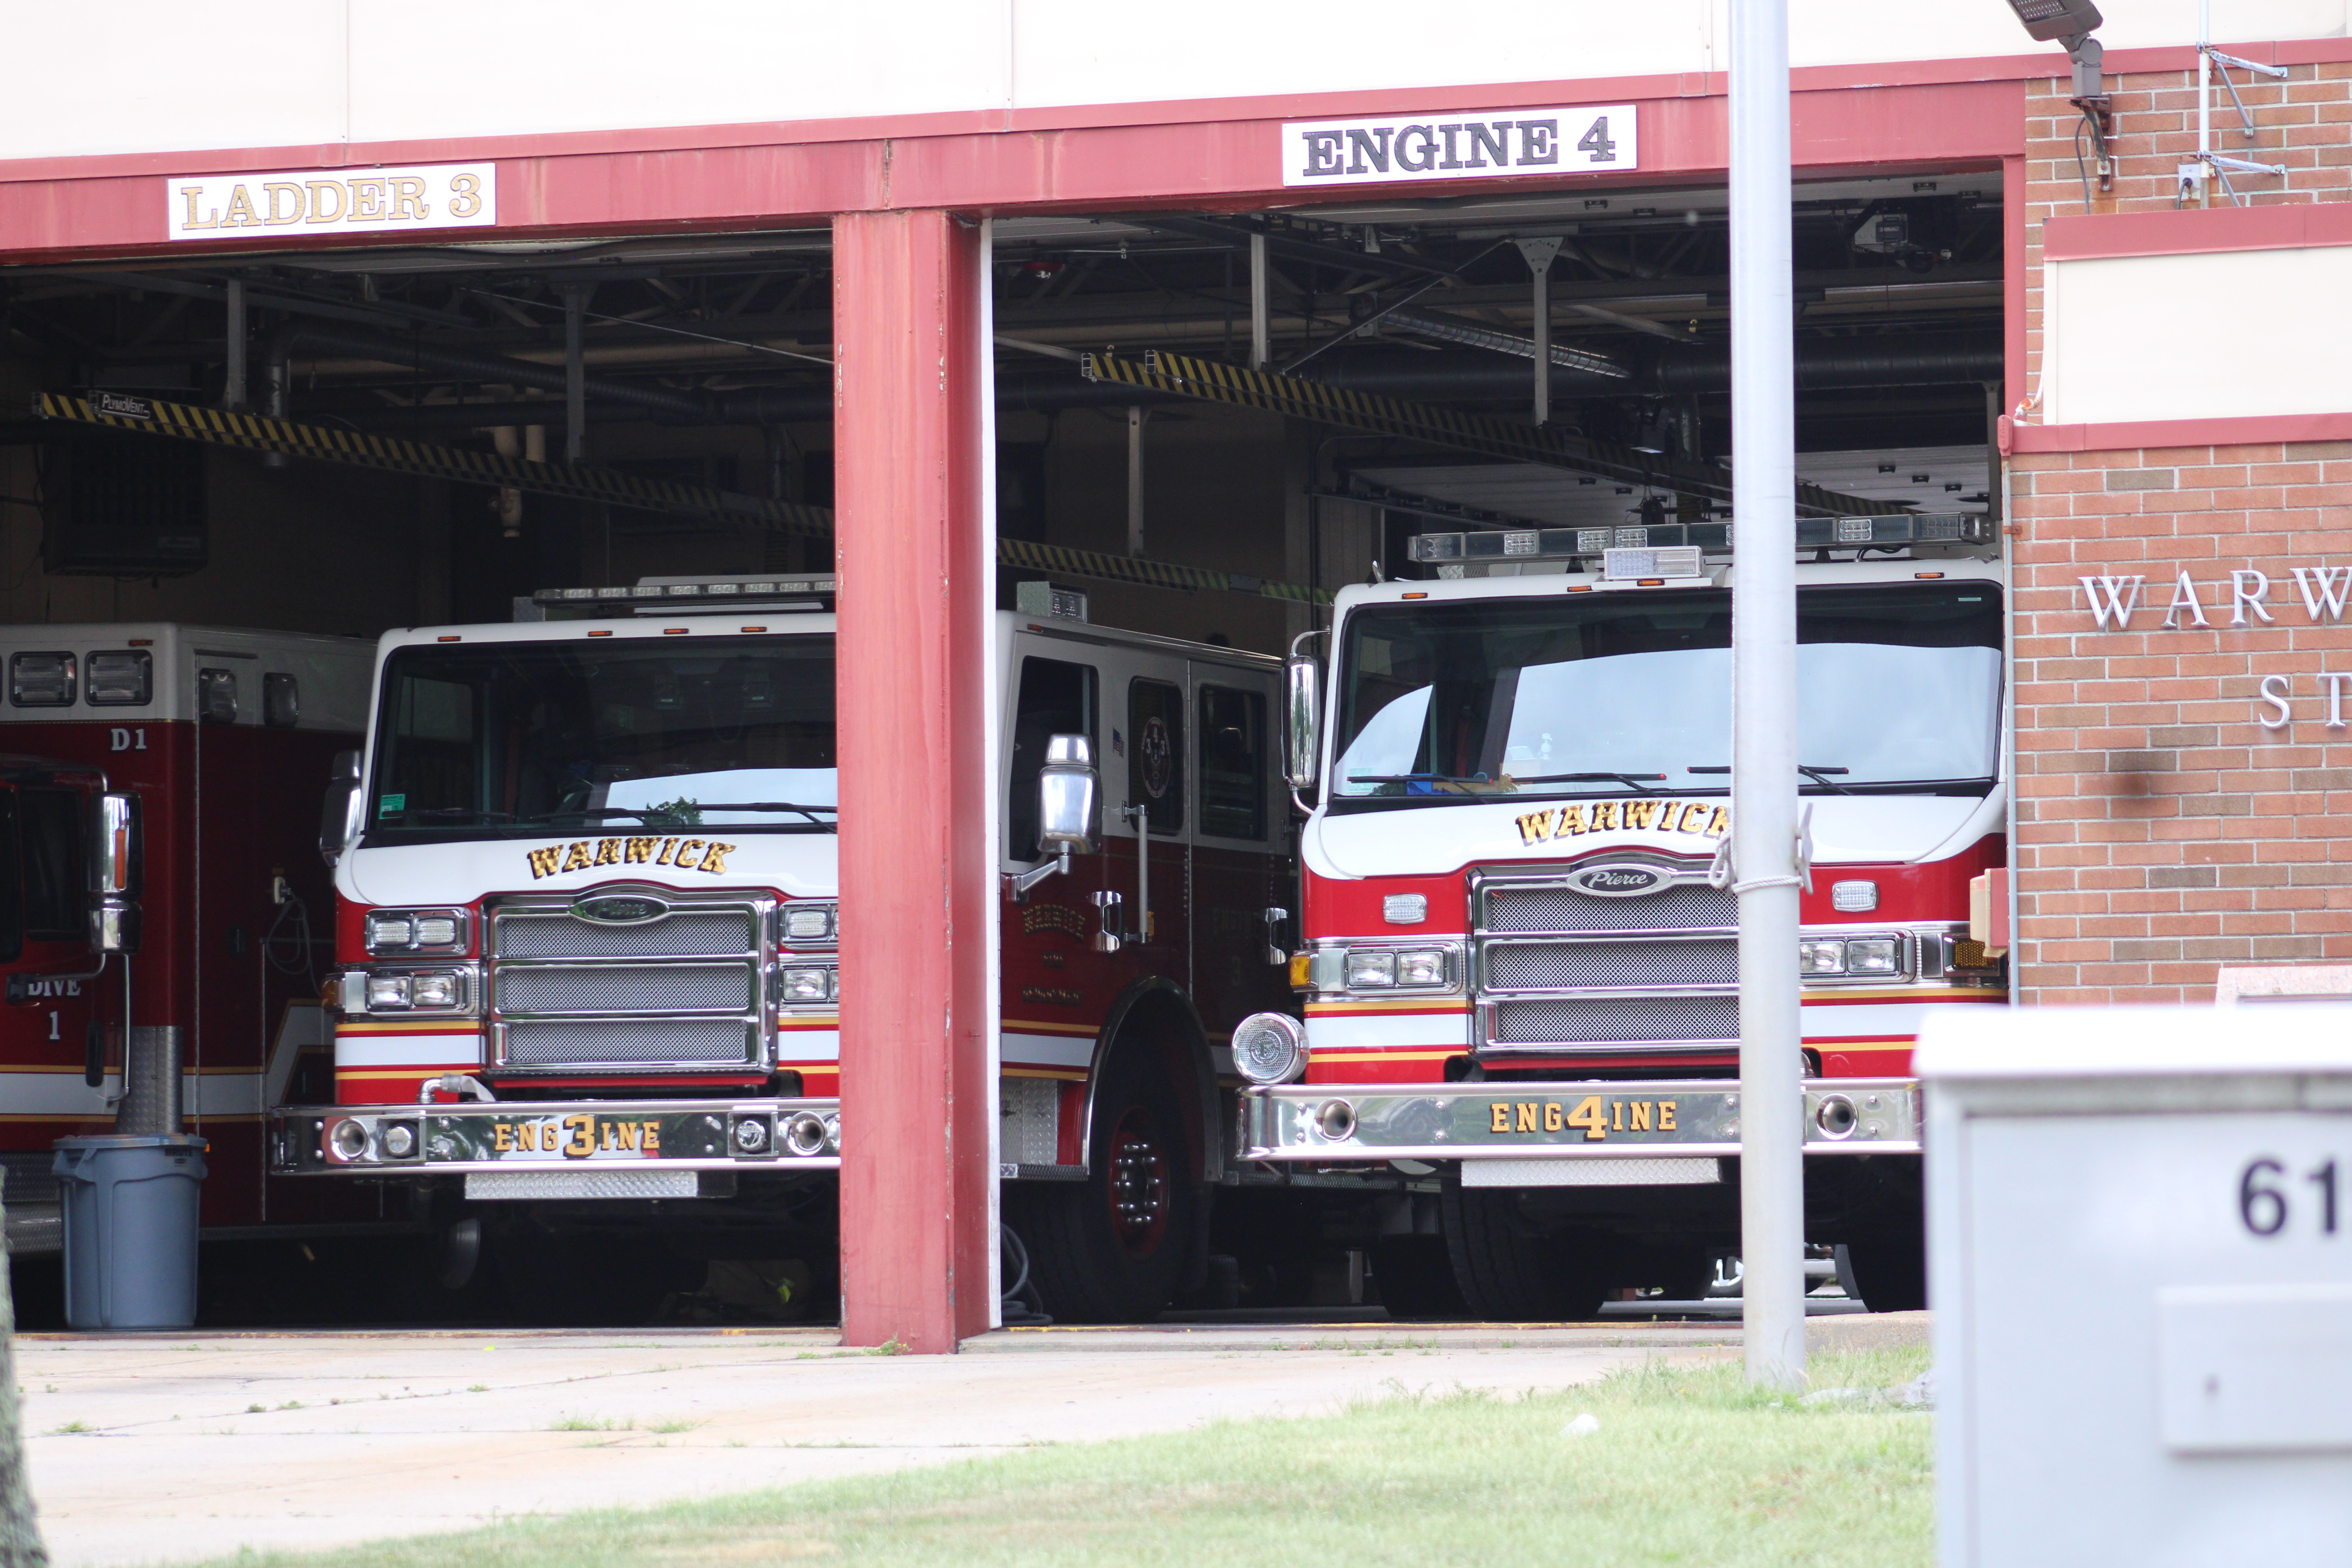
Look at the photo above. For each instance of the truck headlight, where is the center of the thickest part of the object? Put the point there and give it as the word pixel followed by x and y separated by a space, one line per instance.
pixel 1270 1048
pixel 439 988
pixel 1371 969
pixel 387 992
pixel 1873 955
pixel 811 985
pixel 1420 966
pixel 1821 956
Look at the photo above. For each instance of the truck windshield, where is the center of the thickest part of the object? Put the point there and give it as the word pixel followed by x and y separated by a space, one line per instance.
pixel 522 738
pixel 1898 692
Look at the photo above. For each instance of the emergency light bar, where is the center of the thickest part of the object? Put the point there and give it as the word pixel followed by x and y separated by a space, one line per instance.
pixel 661 595
pixel 1813 533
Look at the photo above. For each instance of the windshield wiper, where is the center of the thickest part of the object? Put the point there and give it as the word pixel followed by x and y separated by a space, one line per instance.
pixel 1631 781
pixel 808 811
pixel 474 812
pixel 1418 778
pixel 1819 775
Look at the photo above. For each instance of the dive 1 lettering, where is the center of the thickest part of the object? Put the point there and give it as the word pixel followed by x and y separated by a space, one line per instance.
pixel 686 854
pixel 333 201
pixel 1589 1115
pixel 2266 1206
pixel 1695 817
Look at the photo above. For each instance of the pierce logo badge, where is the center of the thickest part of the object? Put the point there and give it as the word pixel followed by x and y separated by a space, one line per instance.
pixel 620 911
pixel 1617 881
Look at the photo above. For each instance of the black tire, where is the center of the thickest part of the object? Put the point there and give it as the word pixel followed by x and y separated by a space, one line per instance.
pixel 1415 1275
pixel 1112 1248
pixel 1510 1271
pixel 1891 1273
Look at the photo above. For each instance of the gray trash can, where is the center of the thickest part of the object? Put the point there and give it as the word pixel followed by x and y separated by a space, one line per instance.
pixel 131 1228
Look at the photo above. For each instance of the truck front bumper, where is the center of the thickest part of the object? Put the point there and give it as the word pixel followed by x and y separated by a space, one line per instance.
pixel 1337 1124
pixel 525 1149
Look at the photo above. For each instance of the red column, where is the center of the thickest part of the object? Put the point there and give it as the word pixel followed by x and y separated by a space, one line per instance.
pixel 915 1236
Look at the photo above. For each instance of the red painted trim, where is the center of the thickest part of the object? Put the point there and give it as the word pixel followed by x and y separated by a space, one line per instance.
pixel 2023 67
pixel 2013 350
pixel 2195 231
pixel 554 185
pixel 916 1217
pixel 2252 430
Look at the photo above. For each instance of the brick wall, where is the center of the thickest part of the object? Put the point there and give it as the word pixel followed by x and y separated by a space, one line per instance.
pixel 2304 123
pixel 2160 830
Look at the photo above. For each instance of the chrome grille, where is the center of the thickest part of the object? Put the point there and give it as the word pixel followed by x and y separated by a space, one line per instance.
pixel 685 989
pixel 626 988
pixel 631 1042
pixel 1560 971
pixel 1582 965
pixel 1686 906
pixel 685 934
pixel 1592 1020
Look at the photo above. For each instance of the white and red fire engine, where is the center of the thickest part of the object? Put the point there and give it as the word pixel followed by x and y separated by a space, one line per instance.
pixel 586 886
pixel 1520 971
pixel 210 744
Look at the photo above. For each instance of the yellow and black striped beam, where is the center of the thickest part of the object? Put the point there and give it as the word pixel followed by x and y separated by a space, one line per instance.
pixel 253 432
pixel 1184 377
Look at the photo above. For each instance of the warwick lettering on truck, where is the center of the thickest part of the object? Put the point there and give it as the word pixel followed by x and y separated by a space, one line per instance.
pixel 588 922
pixel 215 739
pixel 1519 973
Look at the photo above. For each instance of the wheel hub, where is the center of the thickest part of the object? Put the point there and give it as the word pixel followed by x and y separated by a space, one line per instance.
pixel 1139 1188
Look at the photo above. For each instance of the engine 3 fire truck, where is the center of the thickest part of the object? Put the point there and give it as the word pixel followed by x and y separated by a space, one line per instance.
pixel 1521 965
pixel 587 915
pixel 157 872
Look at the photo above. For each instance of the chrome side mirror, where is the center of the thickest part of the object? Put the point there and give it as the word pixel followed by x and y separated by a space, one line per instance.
pixel 1066 791
pixel 114 874
pixel 338 817
pixel 1303 734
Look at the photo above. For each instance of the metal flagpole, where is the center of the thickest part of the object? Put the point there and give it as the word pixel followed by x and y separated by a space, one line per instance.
pixel 1764 824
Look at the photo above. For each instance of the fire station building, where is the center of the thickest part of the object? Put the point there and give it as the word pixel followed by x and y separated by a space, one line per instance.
pixel 1175 307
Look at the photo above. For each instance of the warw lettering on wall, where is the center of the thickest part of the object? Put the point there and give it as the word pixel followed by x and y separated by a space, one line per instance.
pixel 1480 144
pixel 332 201
pixel 2243 597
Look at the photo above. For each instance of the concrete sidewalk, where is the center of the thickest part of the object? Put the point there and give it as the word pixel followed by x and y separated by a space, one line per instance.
pixel 176 1448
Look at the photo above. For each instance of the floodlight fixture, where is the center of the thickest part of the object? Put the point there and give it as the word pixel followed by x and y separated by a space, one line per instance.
pixel 2071 22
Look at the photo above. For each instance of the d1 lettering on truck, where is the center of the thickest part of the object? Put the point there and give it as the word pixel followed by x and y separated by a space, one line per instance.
pixel 1692 818
pixel 1587 1115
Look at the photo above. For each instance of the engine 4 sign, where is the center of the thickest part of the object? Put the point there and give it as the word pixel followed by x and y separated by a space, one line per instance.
pixel 332 201
pixel 1486 144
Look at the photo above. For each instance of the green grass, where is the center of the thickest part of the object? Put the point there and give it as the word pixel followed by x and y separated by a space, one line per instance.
pixel 1688 1466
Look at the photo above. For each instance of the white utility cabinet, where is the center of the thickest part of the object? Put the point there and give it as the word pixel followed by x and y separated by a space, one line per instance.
pixel 2139 1234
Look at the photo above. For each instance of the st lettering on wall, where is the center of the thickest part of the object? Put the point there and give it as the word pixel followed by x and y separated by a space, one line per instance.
pixel 1479 145
pixel 332 201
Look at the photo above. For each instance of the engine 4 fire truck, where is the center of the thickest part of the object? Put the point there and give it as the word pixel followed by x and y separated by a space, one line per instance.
pixel 156 870
pixel 586 886
pixel 1519 972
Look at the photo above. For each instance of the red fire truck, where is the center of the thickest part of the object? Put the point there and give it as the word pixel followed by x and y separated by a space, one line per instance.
pixel 1520 964
pixel 586 896
pixel 206 745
